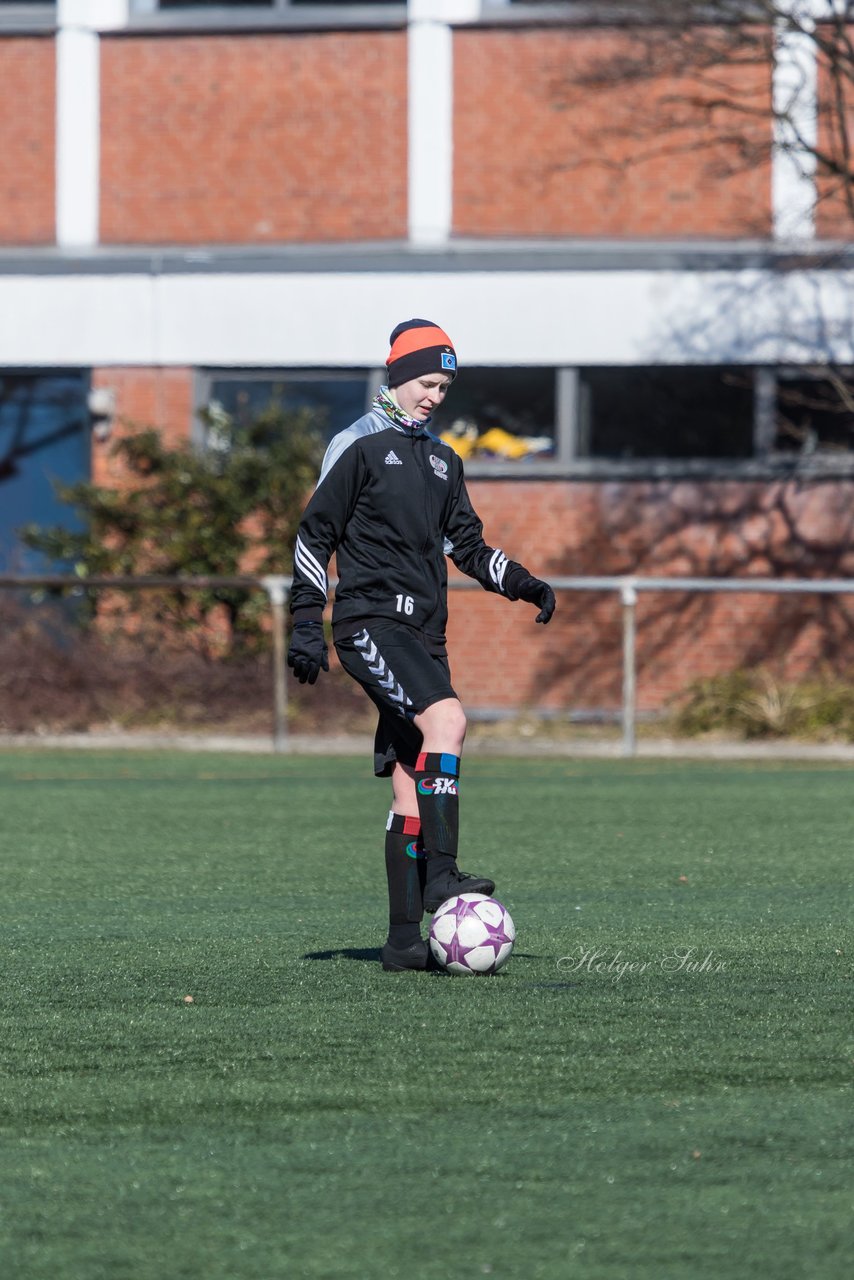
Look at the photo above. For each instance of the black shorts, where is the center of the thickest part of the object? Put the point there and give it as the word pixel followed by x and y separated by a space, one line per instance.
pixel 399 673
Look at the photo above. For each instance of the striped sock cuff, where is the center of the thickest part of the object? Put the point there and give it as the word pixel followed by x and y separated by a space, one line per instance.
pixel 438 762
pixel 403 824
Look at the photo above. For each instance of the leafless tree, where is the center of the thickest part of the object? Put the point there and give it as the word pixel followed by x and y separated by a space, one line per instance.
pixel 702 56
pixel 740 83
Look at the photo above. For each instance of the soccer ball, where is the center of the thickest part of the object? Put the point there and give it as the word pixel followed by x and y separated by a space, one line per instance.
pixel 472 934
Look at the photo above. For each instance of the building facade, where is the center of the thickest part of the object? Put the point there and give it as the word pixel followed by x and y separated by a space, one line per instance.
pixel 650 291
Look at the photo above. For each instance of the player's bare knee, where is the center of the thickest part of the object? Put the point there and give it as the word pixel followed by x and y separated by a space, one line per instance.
pixel 443 726
pixel 458 725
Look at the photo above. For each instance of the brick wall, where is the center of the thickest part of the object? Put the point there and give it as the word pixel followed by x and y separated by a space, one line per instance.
pixel 208 139
pixel 27 112
pixel 833 216
pixel 539 153
pixel 145 397
pixel 501 659
pixel 254 138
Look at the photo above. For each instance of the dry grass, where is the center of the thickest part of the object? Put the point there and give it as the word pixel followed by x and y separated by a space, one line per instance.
pixel 56 676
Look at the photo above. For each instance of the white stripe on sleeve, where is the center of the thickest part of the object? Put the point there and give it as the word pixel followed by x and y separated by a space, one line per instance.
pixel 310 567
pixel 497 568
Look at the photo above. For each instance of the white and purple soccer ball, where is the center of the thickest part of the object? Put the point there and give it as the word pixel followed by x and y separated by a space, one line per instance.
pixel 472 934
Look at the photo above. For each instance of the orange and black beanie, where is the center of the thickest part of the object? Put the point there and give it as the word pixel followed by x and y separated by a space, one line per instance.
pixel 419 347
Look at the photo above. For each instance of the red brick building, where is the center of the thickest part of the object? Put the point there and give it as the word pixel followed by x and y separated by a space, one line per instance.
pixel 647 290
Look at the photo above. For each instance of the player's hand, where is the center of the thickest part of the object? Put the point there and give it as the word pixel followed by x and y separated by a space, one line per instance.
pixel 535 591
pixel 308 652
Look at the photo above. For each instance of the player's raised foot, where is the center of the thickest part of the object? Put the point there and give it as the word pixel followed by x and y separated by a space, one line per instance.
pixel 396 959
pixel 451 882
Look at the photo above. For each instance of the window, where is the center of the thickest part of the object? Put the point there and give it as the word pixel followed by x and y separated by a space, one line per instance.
pixel 208 4
pixel 224 15
pixel 500 415
pixel 149 6
pixel 591 421
pixel 814 411
pixel 44 439
pixel 335 398
pixel 491 415
pixel 26 13
pixel 666 413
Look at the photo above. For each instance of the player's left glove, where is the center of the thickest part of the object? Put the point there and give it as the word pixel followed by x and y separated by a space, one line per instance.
pixel 308 652
pixel 535 591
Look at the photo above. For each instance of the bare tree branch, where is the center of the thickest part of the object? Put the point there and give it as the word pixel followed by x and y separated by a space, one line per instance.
pixel 704 46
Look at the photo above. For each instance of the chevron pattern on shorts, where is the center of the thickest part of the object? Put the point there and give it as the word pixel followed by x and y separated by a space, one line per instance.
pixel 378 666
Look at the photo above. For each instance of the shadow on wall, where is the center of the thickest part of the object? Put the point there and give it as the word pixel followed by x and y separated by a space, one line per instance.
pixel 792 527
pixel 717 529
pixel 801 312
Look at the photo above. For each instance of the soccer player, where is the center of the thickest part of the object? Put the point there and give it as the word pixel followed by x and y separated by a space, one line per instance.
pixel 392 502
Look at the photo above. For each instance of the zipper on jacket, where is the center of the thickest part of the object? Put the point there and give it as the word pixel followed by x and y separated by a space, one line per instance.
pixel 435 604
pixel 419 454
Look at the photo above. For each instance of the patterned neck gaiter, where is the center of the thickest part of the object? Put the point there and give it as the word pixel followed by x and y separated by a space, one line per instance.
pixel 383 401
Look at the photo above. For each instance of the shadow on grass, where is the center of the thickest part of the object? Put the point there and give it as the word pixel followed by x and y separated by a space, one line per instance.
pixel 371 954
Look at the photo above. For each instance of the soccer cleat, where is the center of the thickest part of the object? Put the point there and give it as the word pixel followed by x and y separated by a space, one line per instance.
pixel 412 957
pixel 448 884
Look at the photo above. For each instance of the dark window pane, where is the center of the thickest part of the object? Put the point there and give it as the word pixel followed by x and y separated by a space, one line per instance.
pixel 815 412
pixel 506 414
pixel 335 401
pixel 263 4
pixel 666 413
pixel 44 440
pixel 218 4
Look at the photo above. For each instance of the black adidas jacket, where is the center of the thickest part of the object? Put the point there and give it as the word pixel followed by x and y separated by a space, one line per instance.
pixel 392 501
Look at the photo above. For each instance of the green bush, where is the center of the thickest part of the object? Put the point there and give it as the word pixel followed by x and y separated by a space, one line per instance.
pixel 225 510
pixel 758 704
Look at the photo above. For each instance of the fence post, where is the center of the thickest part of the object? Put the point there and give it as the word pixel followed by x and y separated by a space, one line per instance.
pixel 629 598
pixel 277 592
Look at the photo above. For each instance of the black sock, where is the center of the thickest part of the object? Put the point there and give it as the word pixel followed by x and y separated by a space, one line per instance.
pixel 404 865
pixel 436 785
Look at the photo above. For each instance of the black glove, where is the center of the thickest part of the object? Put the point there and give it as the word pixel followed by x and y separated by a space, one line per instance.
pixel 308 651
pixel 535 591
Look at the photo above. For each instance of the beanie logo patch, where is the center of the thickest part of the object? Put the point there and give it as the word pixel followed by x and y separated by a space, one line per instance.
pixel 449 360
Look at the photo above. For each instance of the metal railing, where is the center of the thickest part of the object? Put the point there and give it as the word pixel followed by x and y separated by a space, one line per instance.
pixel 277 588
pixel 628 589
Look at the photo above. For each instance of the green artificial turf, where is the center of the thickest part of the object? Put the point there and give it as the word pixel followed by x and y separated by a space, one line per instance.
pixel 308 1115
